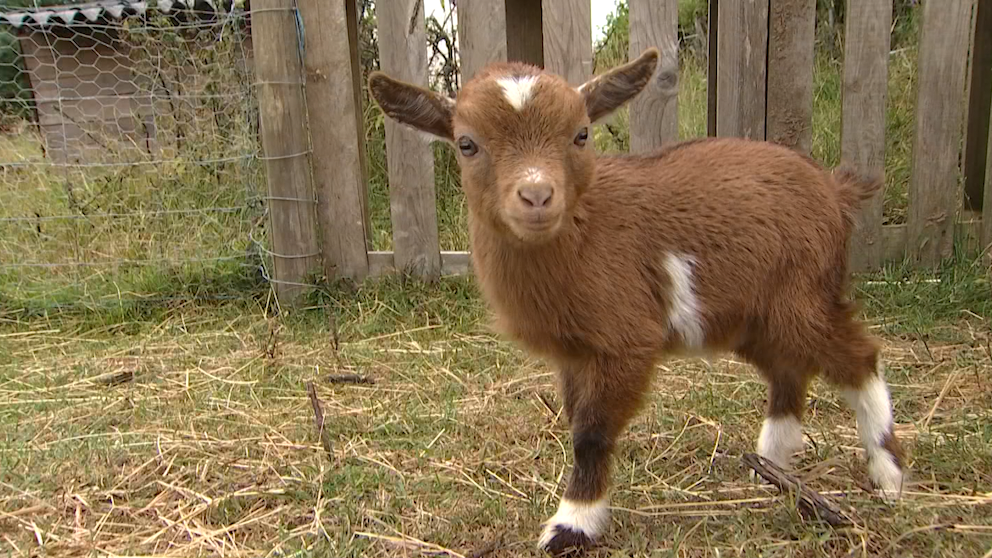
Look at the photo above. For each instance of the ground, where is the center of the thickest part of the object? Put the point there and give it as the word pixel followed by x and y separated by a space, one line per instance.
pixel 188 431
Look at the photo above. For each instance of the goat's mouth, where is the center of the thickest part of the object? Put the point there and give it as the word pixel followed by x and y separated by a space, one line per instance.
pixel 535 228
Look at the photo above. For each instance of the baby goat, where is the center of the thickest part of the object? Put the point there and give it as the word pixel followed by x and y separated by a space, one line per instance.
pixel 604 265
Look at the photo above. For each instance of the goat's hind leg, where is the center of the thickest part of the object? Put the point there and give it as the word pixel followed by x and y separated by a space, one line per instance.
pixel 781 432
pixel 601 396
pixel 852 363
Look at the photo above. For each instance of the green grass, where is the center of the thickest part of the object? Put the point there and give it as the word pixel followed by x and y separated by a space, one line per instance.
pixel 188 431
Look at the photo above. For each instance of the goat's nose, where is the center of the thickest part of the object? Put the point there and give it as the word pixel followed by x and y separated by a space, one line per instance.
pixel 535 195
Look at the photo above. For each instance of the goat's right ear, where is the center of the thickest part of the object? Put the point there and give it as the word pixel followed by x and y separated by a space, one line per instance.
pixel 414 106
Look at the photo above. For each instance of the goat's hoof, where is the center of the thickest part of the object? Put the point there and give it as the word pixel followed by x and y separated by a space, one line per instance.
pixel 561 540
pixel 887 478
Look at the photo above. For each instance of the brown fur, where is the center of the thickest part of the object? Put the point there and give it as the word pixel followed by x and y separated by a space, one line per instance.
pixel 587 287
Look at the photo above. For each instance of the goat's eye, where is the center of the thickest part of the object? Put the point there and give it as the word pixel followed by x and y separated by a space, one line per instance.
pixel 467 146
pixel 581 137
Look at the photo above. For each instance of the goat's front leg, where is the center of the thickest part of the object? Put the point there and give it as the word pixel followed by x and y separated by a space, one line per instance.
pixel 601 395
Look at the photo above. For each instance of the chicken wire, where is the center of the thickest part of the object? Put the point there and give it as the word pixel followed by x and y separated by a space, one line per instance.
pixel 129 154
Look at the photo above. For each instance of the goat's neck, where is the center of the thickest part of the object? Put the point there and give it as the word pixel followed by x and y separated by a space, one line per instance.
pixel 512 273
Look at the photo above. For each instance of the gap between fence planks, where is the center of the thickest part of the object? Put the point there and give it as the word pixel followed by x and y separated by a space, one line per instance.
pixel 934 192
pixel 337 135
pixel 979 106
pixel 789 118
pixel 986 233
pixel 409 155
pixel 741 69
pixel 654 113
pixel 282 116
pixel 862 137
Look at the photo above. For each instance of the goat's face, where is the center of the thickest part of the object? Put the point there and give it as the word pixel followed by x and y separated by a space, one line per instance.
pixel 522 136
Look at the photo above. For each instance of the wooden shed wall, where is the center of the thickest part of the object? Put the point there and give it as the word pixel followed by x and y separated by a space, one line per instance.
pixel 87 100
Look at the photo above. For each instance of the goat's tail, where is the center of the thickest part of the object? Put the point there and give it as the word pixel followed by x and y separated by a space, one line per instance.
pixel 853 188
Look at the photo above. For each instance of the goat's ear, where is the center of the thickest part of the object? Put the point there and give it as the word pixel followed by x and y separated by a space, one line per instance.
pixel 610 91
pixel 414 106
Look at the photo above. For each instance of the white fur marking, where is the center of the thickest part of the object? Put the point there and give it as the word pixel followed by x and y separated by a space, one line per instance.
pixel 589 519
pixel 533 174
pixel 873 408
pixel 683 316
pixel 517 90
pixel 780 438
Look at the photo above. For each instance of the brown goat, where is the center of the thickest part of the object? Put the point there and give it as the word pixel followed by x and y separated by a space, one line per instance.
pixel 604 265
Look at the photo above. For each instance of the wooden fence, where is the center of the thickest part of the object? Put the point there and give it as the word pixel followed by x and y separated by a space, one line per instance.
pixel 760 86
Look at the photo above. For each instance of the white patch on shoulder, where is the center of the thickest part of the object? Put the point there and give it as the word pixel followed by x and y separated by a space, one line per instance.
pixel 517 90
pixel 591 519
pixel 780 438
pixel 683 316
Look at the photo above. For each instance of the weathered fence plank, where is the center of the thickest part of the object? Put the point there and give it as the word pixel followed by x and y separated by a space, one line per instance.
pixel 337 135
pixel 862 137
pixel 934 194
pixel 409 156
pixel 741 68
pixel 481 34
pixel 282 119
pixel 791 27
pixel 567 26
pixel 979 101
pixel 654 113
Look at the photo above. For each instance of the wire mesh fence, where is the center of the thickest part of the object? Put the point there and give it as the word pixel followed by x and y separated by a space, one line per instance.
pixel 129 158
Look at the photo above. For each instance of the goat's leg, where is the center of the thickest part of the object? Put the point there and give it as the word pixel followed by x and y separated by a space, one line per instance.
pixel 601 396
pixel 854 366
pixel 781 434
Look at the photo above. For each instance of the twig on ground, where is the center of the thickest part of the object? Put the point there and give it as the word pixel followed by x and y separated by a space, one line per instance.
pixel 118 379
pixel 487 550
pixel 318 419
pixel 809 501
pixel 350 379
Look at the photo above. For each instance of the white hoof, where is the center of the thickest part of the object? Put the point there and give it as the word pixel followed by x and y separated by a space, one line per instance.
pixel 886 476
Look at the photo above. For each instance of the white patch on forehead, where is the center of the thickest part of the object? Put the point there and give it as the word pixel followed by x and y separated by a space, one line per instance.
pixel 517 90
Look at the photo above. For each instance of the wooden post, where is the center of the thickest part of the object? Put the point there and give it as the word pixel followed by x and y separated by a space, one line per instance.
pixel 567 30
pixel 712 40
pixel 979 109
pixel 525 31
pixel 791 27
pixel 741 68
pixel 282 114
pixel 862 138
pixel 337 133
pixel 933 189
pixel 654 113
pixel 481 34
pixel 409 157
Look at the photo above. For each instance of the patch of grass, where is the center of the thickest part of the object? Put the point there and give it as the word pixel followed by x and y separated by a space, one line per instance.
pixel 187 430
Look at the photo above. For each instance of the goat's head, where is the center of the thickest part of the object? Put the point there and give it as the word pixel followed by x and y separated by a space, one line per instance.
pixel 522 136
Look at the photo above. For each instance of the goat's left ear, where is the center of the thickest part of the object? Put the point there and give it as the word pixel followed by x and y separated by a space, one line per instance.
pixel 414 106
pixel 610 91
